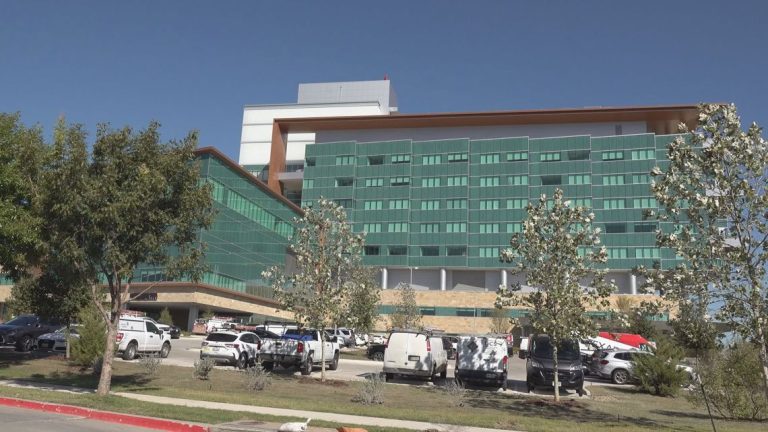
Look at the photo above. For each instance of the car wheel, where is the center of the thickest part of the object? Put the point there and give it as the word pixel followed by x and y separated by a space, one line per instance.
pixel 130 351
pixel 306 368
pixel 504 380
pixel 388 376
pixel 242 361
pixel 530 387
pixel 444 373
pixel 620 376
pixel 335 362
pixel 165 350
pixel 24 344
pixel 268 366
pixel 580 391
pixel 378 356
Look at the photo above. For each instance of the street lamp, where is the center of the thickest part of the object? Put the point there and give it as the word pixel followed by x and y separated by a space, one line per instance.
pixel 410 284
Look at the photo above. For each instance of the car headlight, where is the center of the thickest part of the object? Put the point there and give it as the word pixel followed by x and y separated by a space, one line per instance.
pixel 11 333
pixel 537 364
pixel 574 367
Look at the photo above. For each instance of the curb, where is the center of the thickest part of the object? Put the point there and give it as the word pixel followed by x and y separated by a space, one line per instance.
pixel 106 416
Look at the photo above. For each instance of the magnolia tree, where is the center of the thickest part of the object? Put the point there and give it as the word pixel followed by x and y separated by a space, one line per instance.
pixel 558 254
pixel 328 267
pixel 406 314
pixel 363 301
pixel 714 192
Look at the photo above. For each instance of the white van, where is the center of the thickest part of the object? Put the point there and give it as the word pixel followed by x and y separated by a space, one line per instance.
pixel 141 335
pixel 414 353
pixel 482 359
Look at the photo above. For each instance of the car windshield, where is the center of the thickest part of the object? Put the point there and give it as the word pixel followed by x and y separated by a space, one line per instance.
pixel 221 337
pixel 567 350
pixel 21 321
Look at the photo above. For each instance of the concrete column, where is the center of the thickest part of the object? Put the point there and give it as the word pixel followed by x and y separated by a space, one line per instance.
pixel 384 277
pixel 503 277
pixel 633 284
pixel 193 312
pixel 442 279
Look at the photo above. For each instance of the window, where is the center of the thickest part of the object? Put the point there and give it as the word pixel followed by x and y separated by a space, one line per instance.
pixel 645 227
pixel 430 205
pixel 400 181
pixel 489 181
pixel 617 253
pixel 151 327
pixel 489 228
pixel 465 312
pixel 346 203
pixel 372 228
pixel 643 154
pixel 375 160
pixel 373 205
pixel 514 227
pixel 551 180
pixel 641 178
pixel 489 252
pixel 615 228
pixel 578 155
pixel 310 162
pixel 371 250
pixel 517 156
pixel 491 158
pixel 401 158
pixel 517 203
pixel 400 204
pixel 397 250
pixel 429 228
pixel 580 179
pixel 374 182
pixel 611 204
pixel 457 181
pixel 345 160
pixel 613 155
pixel 427 311
pixel 430 251
pixel 456 251
pixel 582 202
pixel 489 204
pixel 397 227
pixel 644 203
pixel 613 180
pixel 344 181
pixel 455 204
pixel 430 160
pixel 518 180
pixel 456 227
pixel 646 253
pixel 430 182
pixel 549 157
pixel 308 183
pixel 457 157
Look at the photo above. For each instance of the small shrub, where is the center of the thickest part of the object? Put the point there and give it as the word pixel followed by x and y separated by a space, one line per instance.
pixel 165 317
pixel 203 368
pixel 371 392
pixel 256 378
pixel 732 382
pixel 89 347
pixel 658 374
pixel 456 392
pixel 151 364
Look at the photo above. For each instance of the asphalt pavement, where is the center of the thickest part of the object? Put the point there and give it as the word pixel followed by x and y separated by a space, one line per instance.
pixel 29 420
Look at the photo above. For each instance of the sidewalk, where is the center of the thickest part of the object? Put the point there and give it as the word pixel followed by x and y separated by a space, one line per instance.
pixel 341 419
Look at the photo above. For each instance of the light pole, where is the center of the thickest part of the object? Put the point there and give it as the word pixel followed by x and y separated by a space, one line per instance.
pixel 410 284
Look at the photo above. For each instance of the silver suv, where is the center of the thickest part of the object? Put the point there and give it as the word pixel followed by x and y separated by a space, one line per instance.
pixel 616 365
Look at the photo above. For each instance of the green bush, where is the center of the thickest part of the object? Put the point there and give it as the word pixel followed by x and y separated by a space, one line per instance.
pixel 165 317
pixel 733 384
pixel 659 374
pixel 93 335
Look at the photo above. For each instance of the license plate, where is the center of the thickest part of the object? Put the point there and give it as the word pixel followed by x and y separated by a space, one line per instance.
pixel 413 358
pixel 558 383
pixel 490 375
pixel 215 349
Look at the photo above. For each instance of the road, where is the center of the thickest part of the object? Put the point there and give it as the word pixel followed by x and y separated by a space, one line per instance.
pixel 28 420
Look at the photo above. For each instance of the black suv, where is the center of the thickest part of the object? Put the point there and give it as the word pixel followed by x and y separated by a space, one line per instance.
pixel 540 367
pixel 23 331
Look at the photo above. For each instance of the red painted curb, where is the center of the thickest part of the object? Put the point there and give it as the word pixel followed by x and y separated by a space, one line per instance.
pixel 107 416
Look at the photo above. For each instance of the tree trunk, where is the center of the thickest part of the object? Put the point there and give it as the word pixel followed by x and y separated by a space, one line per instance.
pixel 763 354
pixel 322 355
pixel 105 380
pixel 554 364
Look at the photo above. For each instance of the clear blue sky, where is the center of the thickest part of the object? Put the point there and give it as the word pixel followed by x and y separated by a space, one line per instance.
pixel 193 65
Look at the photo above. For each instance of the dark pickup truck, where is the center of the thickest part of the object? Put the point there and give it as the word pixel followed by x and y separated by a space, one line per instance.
pixel 376 352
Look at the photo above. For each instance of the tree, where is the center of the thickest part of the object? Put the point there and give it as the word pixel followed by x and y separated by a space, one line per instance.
pixel 89 347
pixel 364 296
pixel 406 314
pixel 165 317
pixel 713 195
pixel 328 263
pixel 557 251
pixel 500 321
pixel 658 374
pixel 131 200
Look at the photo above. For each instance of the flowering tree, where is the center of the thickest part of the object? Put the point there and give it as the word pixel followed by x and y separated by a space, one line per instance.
pixel 714 192
pixel 406 314
pixel 328 256
pixel 557 252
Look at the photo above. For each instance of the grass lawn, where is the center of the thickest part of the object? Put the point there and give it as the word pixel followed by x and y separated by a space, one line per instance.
pixel 356 354
pixel 610 408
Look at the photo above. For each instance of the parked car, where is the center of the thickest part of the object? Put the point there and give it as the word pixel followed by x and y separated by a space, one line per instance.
pixel 378 339
pixel 23 331
pixel 523 351
pixel 376 351
pixel 172 330
pixel 482 359
pixel 540 364
pixel 57 341
pixel 137 334
pixel 618 365
pixel 299 347
pixel 237 349
pixel 415 353
pixel 450 347
pixel 345 336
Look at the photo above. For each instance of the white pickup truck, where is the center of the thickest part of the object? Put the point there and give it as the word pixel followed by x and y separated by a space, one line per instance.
pixel 301 348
